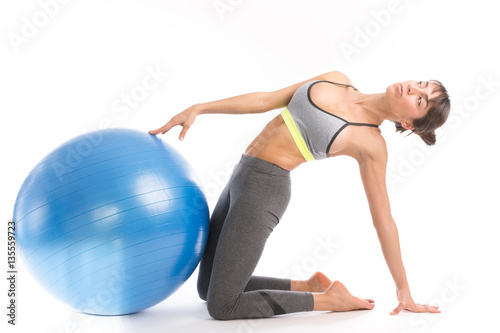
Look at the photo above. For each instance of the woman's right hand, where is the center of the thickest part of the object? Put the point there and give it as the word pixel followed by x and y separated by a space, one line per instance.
pixel 185 119
pixel 406 303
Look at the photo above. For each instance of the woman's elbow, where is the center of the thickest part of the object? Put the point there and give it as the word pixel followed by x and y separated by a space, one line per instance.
pixel 384 223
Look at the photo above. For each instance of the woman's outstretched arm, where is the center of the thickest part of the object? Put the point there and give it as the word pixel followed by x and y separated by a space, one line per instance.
pixel 257 102
pixel 373 170
pixel 247 103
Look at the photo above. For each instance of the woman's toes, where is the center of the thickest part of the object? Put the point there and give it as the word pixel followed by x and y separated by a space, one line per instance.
pixel 343 300
pixel 371 304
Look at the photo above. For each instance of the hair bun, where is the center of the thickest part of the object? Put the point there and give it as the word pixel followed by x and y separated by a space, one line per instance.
pixel 429 138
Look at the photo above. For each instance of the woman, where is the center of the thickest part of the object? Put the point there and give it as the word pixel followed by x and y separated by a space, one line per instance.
pixel 323 117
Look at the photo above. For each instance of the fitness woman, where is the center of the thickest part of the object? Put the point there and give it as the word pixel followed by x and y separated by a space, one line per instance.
pixel 322 117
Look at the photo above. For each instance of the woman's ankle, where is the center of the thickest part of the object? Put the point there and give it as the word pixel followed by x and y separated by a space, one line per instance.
pixel 321 302
pixel 299 285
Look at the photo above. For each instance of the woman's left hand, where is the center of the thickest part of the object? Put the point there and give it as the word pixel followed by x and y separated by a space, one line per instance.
pixel 406 303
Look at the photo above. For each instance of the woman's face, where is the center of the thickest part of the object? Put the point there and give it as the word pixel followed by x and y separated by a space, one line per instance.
pixel 409 100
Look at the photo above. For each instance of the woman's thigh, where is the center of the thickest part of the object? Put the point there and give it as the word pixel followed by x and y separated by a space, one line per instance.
pixel 257 202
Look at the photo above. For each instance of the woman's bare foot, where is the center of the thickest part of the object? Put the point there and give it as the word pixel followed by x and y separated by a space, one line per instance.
pixel 318 282
pixel 338 298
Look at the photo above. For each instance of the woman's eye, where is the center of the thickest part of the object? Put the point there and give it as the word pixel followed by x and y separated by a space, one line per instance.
pixel 419 83
pixel 419 101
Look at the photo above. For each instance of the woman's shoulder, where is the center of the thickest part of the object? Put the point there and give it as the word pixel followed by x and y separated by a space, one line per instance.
pixel 337 76
pixel 371 145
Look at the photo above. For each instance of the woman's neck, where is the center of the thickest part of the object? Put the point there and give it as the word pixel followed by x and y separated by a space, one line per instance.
pixel 375 107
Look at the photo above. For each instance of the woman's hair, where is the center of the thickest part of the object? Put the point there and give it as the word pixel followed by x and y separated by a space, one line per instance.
pixel 436 116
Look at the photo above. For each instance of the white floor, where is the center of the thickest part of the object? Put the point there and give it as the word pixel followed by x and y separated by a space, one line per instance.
pixel 465 309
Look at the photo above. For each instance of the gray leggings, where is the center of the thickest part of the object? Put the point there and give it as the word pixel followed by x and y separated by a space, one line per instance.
pixel 250 206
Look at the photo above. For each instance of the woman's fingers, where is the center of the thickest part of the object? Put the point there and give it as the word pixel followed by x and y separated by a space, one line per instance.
pixel 434 310
pixel 164 129
pixel 416 307
pixel 426 308
pixel 156 131
pixel 430 308
pixel 161 130
pixel 185 119
pixel 183 132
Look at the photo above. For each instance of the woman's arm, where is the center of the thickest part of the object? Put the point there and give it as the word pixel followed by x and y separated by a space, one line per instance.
pixel 372 164
pixel 372 167
pixel 247 103
pixel 256 102
pixel 259 102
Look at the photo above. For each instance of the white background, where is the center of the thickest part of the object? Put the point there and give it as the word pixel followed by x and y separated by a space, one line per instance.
pixel 68 75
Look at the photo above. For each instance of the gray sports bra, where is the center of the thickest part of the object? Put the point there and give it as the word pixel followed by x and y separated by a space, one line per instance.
pixel 313 129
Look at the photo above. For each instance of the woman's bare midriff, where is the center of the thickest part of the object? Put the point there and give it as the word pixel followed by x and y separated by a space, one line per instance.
pixel 275 144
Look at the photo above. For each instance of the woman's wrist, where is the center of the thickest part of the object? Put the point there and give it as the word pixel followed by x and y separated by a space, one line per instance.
pixel 197 109
pixel 403 286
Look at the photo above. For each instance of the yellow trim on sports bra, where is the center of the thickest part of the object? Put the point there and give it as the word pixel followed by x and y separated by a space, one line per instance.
pixel 297 137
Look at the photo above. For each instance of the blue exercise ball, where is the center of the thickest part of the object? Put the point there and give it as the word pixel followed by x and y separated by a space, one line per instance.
pixel 112 222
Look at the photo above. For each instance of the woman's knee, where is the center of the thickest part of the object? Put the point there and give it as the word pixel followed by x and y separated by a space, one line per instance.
pixel 218 310
pixel 202 292
pixel 202 286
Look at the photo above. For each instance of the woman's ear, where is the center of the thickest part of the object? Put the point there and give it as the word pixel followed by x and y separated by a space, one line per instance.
pixel 407 125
